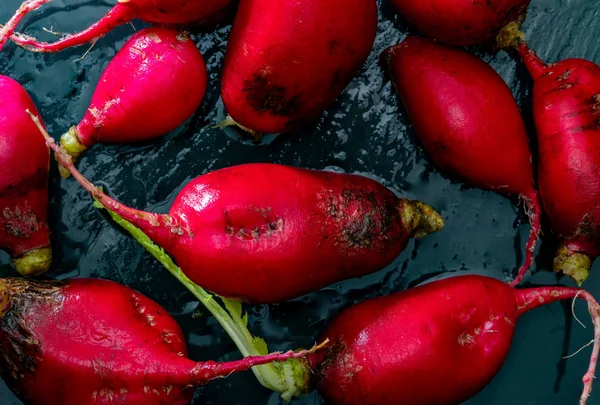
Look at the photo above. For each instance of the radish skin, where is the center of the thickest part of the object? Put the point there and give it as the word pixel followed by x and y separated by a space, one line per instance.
pixel 160 12
pixel 126 349
pixel 24 163
pixel 452 334
pixel 152 86
pixel 270 85
pixel 461 22
pixel 252 221
pixel 566 109
pixel 468 122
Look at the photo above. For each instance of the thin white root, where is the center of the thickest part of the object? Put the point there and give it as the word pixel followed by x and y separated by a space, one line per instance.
pixel 51 31
pixel 582 347
pixel 88 51
pixel 575 316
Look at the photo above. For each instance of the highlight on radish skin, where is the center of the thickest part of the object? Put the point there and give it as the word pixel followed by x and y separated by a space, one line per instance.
pixel 468 122
pixel 160 12
pixel 566 110
pixel 251 221
pixel 127 348
pixel 153 85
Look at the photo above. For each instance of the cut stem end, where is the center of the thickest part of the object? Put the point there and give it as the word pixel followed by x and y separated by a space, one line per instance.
pixel 73 146
pixel 419 219
pixel 573 264
pixel 34 262
pixel 510 36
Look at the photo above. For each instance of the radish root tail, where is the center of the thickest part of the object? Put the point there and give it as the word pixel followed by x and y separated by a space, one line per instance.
pixel 533 211
pixel 118 15
pixel 532 298
pixel 8 30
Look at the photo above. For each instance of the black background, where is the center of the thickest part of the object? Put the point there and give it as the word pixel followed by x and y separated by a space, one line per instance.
pixel 364 132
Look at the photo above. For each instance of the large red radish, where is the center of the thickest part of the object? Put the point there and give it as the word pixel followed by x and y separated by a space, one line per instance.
pixel 90 341
pixel 277 232
pixel 436 344
pixel 468 122
pixel 24 163
pixel 461 22
pixel 152 85
pixel 287 61
pixel 566 108
pixel 159 12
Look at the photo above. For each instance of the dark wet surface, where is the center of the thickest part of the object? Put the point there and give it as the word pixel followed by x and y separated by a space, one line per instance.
pixel 363 132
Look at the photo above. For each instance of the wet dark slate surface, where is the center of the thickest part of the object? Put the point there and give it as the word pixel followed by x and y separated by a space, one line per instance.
pixel 363 132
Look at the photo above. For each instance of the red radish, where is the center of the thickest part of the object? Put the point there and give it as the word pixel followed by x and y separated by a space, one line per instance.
pixel 437 344
pixel 97 342
pixel 468 122
pixel 566 108
pixel 161 12
pixel 266 225
pixel 287 61
pixel 152 86
pixel 461 22
pixel 24 163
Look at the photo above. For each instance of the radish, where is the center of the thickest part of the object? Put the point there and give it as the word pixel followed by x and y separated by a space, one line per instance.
pixel 566 108
pixel 97 342
pixel 287 61
pixel 468 122
pixel 267 224
pixel 461 22
pixel 436 344
pixel 153 85
pixel 24 163
pixel 160 12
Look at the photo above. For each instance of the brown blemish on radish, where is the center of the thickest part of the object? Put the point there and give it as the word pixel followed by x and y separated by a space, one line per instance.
pixel 156 38
pixel 466 339
pixel 265 96
pixel 21 223
pixel 264 212
pixel 565 75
